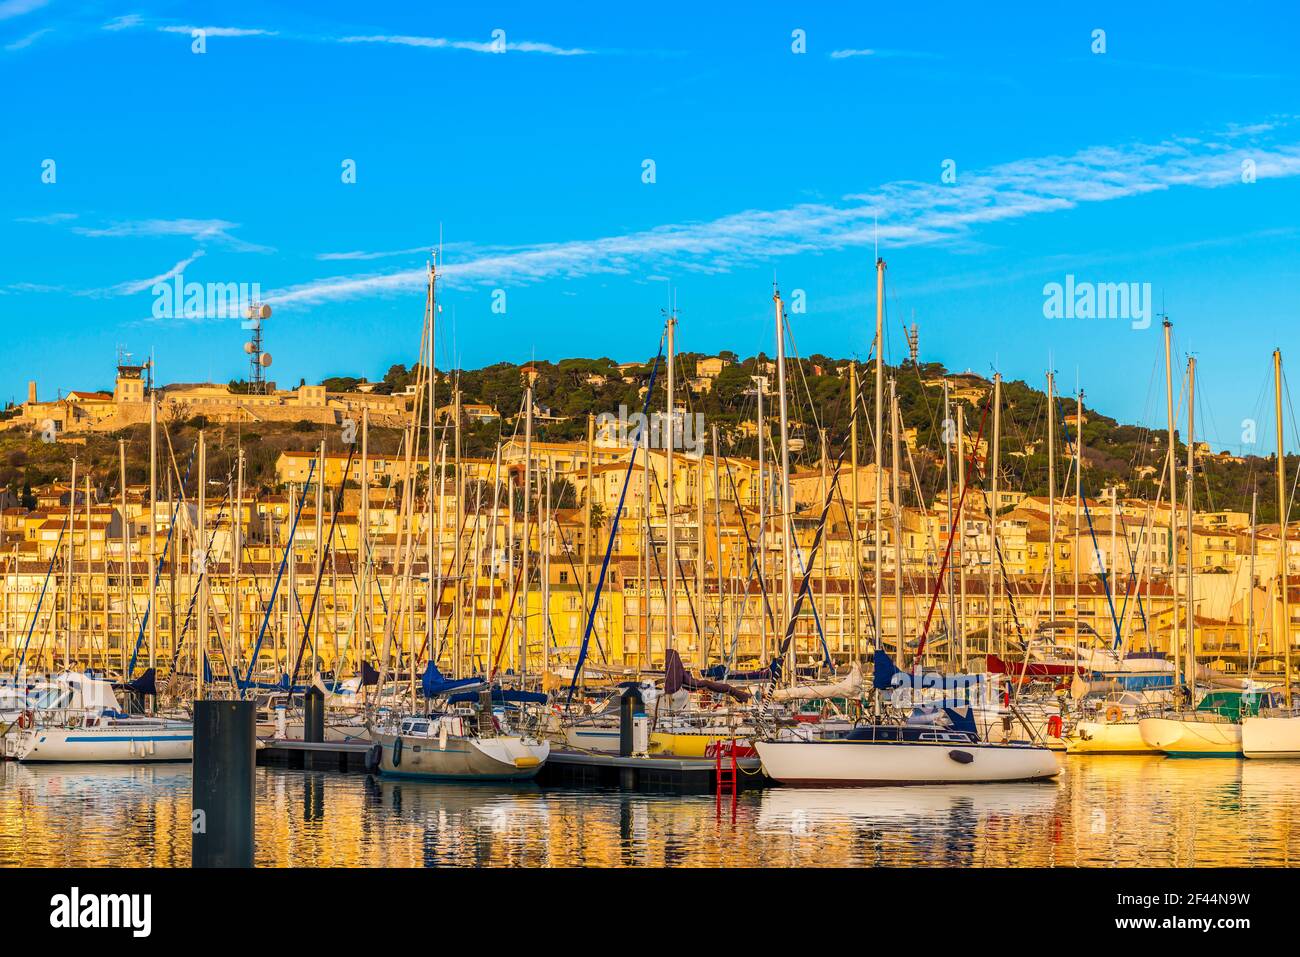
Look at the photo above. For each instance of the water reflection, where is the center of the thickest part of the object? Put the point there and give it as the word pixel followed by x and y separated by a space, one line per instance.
pixel 1103 812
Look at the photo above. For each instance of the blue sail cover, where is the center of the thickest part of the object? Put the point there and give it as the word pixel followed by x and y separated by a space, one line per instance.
pixel 883 679
pixel 147 683
pixel 501 696
pixel 432 683
pixel 963 719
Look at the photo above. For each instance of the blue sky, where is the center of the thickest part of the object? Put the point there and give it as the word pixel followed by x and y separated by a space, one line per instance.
pixel 226 166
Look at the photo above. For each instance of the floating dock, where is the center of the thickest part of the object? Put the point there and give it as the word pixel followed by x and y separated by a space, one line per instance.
pixel 658 774
pixel 347 756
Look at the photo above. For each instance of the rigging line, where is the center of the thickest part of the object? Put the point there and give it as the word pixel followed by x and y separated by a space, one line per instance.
pixel 1105 574
pixel 952 530
pixel 320 571
pixel 171 528
pixel 257 648
pixel 609 544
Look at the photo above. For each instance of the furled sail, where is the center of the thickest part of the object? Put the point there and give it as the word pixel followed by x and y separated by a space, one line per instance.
pixel 850 686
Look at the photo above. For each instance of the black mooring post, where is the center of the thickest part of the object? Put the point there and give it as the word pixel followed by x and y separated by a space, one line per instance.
pixel 313 715
pixel 222 817
pixel 628 705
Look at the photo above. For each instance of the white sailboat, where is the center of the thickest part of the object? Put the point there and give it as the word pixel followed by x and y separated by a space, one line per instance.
pixel 1277 735
pixel 86 724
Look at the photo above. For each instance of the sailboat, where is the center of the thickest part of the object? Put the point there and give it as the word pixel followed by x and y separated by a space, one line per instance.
pixel 1213 727
pixel 932 745
pixel 1277 735
pixel 85 723
pixel 465 737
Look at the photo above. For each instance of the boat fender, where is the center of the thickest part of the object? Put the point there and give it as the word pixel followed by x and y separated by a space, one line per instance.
pixel 373 757
pixel 1114 713
pixel 397 751
pixel 961 757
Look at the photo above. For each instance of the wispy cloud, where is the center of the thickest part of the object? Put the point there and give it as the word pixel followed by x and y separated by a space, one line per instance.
pixel 47 219
pixel 493 46
pixel 24 42
pixel 16 8
pixel 899 214
pixel 125 22
pixel 475 46
pixel 357 255
pixel 883 54
pixel 219 31
pixel 201 230
pixel 140 285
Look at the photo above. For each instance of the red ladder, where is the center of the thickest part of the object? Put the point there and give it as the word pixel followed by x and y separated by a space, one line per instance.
pixel 725 775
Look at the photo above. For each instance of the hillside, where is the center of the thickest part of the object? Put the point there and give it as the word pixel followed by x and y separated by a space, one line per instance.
pixel 818 398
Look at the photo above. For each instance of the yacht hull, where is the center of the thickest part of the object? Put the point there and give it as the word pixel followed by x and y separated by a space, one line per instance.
pixel 848 763
pixel 106 744
pixel 1271 737
pixel 1189 738
pixel 1107 737
pixel 461 758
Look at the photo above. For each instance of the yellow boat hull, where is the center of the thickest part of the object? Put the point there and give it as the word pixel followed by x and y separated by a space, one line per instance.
pixel 1104 737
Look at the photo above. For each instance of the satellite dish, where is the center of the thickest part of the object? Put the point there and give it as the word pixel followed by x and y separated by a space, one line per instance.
pixel 266 359
pixel 249 348
pixel 264 312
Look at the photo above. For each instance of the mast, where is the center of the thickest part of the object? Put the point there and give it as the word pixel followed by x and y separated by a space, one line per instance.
pixel 854 565
pixel 895 426
pixel 760 387
pixel 717 531
pixel 153 528
pixel 879 438
pixel 431 561
pixel 236 615
pixel 1051 497
pixel 1191 488
pixel 201 635
pixel 787 526
pixel 643 647
pixel 527 538
pixel 700 613
pixel 320 552
pixel 69 648
pixel 1282 516
pixel 128 591
pixel 586 530
pixel 824 487
pixel 544 545
pixel 993 513
pixel 1172 464
pixel 1250 630
pixel 1078 505
pixel 457 652
pixel 951 573
pixel 960 537
pixel 363 537
pixel 670 598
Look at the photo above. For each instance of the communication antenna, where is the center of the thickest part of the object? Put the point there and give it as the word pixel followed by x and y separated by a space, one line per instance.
pixel 258 359
pixel 914 342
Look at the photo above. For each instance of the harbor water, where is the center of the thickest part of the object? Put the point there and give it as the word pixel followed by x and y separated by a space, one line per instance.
pixel 1102 812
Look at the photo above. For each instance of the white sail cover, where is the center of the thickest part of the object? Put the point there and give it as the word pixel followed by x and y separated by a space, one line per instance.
pixel 850 686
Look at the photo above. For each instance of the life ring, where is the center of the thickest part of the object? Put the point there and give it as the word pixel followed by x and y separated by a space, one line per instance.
pixel 397 751
pixel 1114 713
pixel 25 720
